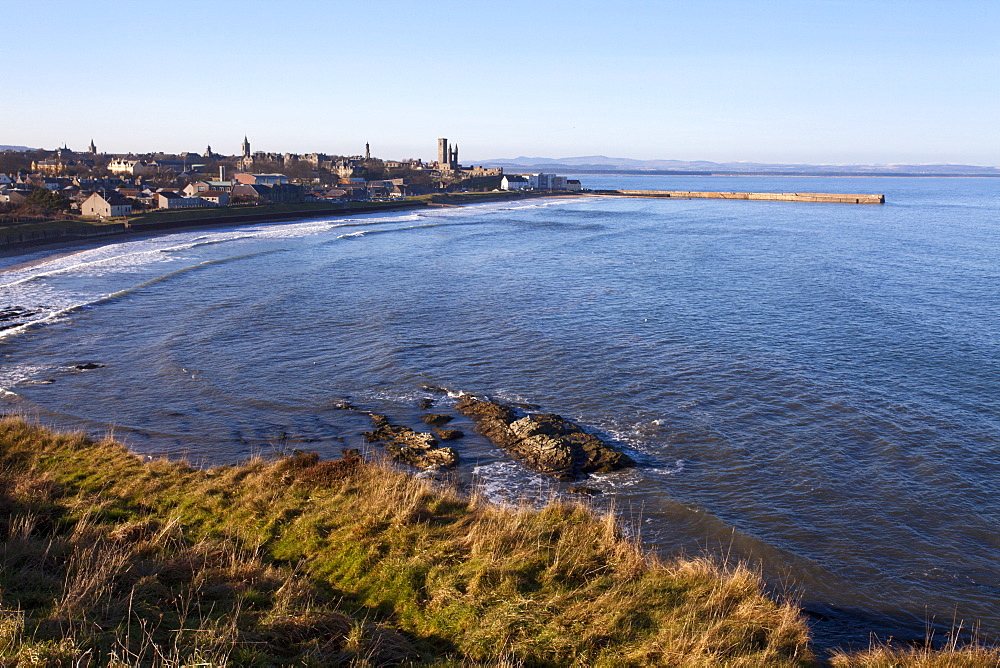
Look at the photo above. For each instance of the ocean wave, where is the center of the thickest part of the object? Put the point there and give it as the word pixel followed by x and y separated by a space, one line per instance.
pixel 16 375
pixel 511 483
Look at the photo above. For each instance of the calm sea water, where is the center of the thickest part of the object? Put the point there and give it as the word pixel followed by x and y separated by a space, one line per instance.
pixel 813 387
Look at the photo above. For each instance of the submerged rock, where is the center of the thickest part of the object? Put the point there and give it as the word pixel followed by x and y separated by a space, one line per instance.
pixel 89 366
pixel 588 491
pixel 547 443
pixel 448 434
pixel 410 447
pixel 435 419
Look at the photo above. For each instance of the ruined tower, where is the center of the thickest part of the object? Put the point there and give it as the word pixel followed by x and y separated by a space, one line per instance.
pixel 368 152
pixel 443 156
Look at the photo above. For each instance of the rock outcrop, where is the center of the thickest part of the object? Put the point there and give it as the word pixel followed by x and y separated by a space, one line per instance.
pixel 545 442
pixel 411 447
pixel 436 419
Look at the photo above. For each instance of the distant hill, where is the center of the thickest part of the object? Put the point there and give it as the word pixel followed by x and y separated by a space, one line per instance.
pixel 601 163
pixel 5 147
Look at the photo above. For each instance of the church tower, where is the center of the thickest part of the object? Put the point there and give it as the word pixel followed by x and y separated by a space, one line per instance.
pixel 93 147
pixel 443 153
pixel 368 152
pixel 246 147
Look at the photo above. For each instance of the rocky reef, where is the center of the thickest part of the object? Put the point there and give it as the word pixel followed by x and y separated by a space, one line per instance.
pixel 408 446
pixel 546 442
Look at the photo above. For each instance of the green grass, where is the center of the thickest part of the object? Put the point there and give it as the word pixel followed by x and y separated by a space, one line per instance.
pixel 57 226
pixel 304 562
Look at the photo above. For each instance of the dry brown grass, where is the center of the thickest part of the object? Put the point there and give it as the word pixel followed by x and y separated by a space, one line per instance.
pixel 342 563
pixel 951 656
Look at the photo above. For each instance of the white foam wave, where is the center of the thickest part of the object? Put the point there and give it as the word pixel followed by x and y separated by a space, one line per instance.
pixel 47 318
pixel 23 373
pixel 510 483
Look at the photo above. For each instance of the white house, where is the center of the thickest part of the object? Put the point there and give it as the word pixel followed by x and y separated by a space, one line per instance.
pixel 108 205
pixel 513 182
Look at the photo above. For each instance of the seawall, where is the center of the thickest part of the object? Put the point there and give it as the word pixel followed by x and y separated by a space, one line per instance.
pixel 12 238
pixel 833 198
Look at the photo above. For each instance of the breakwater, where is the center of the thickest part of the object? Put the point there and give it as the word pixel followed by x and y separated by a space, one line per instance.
pixel 830 198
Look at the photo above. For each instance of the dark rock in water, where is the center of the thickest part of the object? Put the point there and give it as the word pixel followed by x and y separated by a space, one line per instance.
pixel 448 434
pixel 437 389
pixel 545 442
pixel 426 403
pixel 435 419
pixel 342 405
pixel 411 447
pixel 589 491
pixel 88 366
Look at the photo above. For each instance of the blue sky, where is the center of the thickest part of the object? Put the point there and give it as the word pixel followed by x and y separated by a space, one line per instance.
pixel 820 81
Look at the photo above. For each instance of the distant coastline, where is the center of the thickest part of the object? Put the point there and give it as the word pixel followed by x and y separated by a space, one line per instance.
pixel 840 175
pixel 602 164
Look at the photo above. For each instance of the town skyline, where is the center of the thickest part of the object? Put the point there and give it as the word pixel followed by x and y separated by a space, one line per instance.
pixel 827 82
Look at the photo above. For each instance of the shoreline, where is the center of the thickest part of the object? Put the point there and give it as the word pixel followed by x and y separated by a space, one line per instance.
pixel 156 228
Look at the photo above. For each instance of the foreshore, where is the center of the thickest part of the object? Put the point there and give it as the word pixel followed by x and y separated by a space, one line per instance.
pixel 66 234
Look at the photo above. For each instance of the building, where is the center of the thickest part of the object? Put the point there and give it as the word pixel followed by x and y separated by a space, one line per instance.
pixel 513 182
pixel 215 197
pixel 130 167
pixel 261 179
pixel 574 184
pixel 167 199
pixel 447 157
pixel 105 205
pixel 246 160
pixel 546 182
pixel 15 197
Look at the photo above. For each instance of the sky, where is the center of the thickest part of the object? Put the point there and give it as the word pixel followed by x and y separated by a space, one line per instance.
pixel 798 81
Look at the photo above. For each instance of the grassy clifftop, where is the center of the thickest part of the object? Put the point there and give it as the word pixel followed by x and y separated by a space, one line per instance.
pixel 111 559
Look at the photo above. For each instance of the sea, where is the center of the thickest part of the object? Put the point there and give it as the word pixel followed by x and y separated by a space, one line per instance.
pixel 810 388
